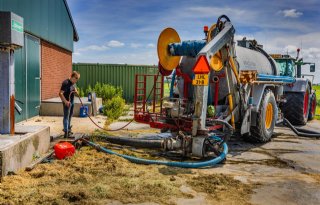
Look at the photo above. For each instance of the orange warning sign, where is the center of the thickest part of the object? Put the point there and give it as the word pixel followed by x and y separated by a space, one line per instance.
pixel 202 66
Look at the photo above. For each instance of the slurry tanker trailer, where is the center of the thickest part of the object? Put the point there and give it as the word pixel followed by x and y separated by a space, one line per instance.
pixel 221 88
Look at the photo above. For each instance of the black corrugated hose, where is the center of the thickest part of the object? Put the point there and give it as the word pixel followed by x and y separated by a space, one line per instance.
pixel 134 142
pixel 300 131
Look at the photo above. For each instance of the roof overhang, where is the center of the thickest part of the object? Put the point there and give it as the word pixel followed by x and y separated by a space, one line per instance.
pixel 75 33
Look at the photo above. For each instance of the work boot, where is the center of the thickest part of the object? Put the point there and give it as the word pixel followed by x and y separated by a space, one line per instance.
pixel 69 130
pixel 66 135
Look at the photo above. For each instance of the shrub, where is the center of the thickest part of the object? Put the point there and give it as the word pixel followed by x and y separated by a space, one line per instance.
pixel 105 91
pixel 88 90
pixel 114 108
pixel 81 92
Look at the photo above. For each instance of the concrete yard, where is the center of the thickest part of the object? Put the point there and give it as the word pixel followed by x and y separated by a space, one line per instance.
pixel 285 170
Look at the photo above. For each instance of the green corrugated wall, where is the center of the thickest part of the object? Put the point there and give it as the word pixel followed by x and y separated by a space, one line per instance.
pixel 114 74
pixel 46 19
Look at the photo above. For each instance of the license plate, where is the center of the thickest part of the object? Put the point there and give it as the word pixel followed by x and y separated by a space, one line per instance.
pixel 200 79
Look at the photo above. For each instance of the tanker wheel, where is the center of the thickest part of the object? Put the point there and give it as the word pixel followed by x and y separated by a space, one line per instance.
pixel 296 109
pixel 266 119
pixel 313 106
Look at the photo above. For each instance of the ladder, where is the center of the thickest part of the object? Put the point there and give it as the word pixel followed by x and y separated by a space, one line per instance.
pixel 148 91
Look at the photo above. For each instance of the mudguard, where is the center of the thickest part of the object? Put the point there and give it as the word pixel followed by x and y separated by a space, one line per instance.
pixel 299 86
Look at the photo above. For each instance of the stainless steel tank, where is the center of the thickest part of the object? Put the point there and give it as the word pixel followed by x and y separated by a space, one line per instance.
pixel 249 59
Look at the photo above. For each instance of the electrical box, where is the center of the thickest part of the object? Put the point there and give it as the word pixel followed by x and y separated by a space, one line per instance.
pixel 11 30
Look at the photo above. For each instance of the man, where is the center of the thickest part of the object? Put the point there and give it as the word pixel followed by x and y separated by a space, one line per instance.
pixel 68 88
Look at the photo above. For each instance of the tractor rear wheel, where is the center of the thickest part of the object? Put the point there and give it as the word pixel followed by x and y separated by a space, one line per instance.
pixel 266 119
pixel 297 107
pixel 313 106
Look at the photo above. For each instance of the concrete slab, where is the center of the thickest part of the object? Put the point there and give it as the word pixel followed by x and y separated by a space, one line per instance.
pixel 53 106
pixel 292 192
pixel 18 151
pixel 131 126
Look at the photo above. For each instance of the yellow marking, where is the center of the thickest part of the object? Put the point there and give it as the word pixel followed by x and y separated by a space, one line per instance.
pixel 269 116
pixel 200 79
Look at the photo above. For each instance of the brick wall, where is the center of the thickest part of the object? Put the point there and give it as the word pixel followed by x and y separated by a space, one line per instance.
pixel 56 66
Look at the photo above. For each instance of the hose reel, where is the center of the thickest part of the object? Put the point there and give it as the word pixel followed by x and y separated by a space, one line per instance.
pixel 170 48
pixel 167 61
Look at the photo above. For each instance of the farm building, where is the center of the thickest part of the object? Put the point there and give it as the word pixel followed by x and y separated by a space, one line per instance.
pixel 46 58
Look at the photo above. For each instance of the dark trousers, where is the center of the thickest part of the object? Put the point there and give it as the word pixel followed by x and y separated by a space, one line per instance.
pixel 67 114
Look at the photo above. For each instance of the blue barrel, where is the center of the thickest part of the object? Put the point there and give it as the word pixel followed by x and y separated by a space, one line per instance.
pixel 101 109
pixel 84 111
pixel 91 95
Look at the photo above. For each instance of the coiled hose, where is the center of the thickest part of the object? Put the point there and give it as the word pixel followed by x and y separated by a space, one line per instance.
pixel 137 160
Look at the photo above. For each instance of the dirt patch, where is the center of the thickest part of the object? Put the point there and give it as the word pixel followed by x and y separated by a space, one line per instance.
pixel 268 162
pixel 315 176
pixel 221 187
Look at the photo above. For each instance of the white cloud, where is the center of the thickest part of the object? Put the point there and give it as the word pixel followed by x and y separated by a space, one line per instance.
pixel 291 13
pixel 291 50
pixel 115 44
pixel 76 53
pixel 213 11
pixel 93 48
pixel 311 53
pixel 136 58
pixel 135 45
pixel 151 45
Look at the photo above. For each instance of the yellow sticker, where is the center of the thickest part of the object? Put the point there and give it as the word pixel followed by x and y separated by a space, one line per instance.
pixel 200 79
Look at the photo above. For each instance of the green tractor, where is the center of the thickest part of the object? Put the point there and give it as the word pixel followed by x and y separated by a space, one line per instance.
pixel 300 101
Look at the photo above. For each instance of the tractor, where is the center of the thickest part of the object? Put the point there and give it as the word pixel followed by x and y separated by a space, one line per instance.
pixel 301 102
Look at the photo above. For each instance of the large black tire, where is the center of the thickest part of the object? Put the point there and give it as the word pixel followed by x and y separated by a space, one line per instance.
pixel 313 106
pixel 296 109
pixel 263 131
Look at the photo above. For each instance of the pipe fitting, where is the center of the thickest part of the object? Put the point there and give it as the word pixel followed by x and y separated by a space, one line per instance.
pixel 215 79
pixel 172 144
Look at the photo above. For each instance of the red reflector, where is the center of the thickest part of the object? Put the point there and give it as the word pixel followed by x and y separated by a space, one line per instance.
pixel 205 28
pixel 201 66
pixel 63 150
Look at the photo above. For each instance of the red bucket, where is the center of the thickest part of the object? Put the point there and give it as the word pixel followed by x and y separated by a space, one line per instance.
pixel 63 150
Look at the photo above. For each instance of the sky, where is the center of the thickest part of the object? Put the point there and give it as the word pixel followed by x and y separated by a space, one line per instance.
pixel 126 31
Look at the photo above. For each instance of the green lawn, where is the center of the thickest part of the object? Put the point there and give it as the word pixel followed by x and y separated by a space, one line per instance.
pixel 166 89
pixel 317 88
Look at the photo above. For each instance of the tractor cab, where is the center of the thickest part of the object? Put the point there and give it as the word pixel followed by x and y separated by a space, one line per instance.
pixel 286 64
pixel 289 66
